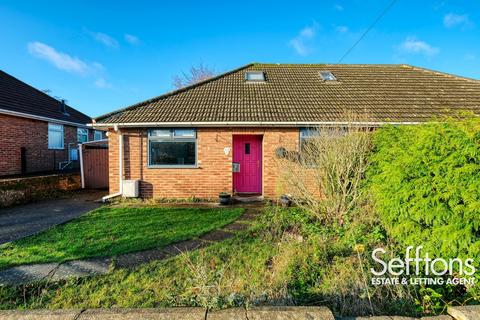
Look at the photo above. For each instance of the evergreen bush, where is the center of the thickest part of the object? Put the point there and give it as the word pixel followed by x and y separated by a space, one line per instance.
pixel 425 183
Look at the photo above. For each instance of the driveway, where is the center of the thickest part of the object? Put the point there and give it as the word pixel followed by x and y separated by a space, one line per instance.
pixel 24 220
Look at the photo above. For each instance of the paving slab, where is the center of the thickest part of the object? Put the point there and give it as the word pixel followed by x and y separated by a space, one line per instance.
pixel 465 312
pixel 289 313
pixel 81 268
pixel 237 226
pixel 132 260
pixel 27 273
pixel 217 235
pixel 151 314
pixel 40 315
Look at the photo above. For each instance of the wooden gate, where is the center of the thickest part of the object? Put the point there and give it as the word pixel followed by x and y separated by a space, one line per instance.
pixel 94 165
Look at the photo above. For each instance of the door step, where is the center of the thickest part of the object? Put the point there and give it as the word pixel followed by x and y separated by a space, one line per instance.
pixel 245 198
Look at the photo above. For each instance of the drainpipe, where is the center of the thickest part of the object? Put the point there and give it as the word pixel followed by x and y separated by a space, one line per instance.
pixel 82 177
pixel 120 161
pixel 120 167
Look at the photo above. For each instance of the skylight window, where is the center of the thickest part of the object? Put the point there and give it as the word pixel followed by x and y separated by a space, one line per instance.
pixel 327 76
pixel 255 76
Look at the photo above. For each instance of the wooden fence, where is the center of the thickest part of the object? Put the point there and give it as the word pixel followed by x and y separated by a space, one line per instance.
pixel 94 157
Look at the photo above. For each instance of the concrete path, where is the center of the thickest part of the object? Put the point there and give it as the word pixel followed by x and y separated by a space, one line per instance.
pixel 81 268
pixel 197 313
pixel 179 313
pixel 24 220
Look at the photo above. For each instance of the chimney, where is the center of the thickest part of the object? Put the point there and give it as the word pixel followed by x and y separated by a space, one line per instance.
pixel 63 108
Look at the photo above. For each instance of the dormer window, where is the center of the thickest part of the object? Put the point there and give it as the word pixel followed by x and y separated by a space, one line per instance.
pixel 255 76
pixel 327 76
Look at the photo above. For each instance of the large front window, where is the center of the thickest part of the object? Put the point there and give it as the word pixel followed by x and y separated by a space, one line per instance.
pixel 172 148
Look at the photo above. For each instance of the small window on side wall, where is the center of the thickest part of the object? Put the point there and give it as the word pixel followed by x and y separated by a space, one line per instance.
pixel 97 135
pixel 172 148
pixel 82 135
pixel 55 136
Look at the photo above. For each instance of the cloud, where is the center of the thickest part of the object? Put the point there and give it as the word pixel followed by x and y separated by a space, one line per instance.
pixel 341 29
pixel 301 43
pixel 338 7
pixel 452 20
pixel 66 62
pixel 470 57
pixel 60 60
pixel 105 39
pixel 415 46
pixel 131 39
pixel 103 84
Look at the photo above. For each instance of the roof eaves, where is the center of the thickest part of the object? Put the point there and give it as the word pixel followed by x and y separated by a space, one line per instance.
pixel 171 93
pixel 42 118
pixel 42 92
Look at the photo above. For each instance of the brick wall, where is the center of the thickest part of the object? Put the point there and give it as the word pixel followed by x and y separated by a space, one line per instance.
pixel 22 190
pixel 214 174
pixel 17 132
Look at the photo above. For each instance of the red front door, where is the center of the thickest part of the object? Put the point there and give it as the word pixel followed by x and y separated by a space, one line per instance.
pixel 247 151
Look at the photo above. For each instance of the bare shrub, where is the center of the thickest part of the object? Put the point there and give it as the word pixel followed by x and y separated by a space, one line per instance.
pixel 325 177
pixel 206 280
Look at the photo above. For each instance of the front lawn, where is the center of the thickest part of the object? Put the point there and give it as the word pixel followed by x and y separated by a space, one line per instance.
pixel 111 231
pixel 285 258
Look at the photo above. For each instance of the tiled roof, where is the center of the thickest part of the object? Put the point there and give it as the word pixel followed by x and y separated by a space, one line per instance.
pixel 296 93
pixel 17 96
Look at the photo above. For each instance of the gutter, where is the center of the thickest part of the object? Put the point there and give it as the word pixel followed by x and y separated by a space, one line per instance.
pixel 47 119
pixel 95 141
pixel 248 124
pixel 120 168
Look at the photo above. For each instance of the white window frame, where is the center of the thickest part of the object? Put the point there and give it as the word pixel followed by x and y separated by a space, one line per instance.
pixel 327 76
pixel 82 132
pixel 255 76
pixel 95 135
pixel 171 136
pixel 55 127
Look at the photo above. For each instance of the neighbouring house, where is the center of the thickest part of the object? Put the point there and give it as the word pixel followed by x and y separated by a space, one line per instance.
pixel 37 132
pixel 223 134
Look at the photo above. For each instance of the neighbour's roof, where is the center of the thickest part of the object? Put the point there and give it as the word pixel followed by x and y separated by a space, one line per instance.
pixel 296 93
pixel 18 97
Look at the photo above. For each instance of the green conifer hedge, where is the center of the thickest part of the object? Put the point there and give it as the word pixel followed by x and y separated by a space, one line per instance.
pixel 425 183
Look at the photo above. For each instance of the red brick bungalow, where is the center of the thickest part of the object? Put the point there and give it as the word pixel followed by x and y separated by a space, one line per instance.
pixel 37 132
pixel 184 143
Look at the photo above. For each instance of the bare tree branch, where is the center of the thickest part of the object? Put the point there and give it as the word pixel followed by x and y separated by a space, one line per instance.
pixel 196 74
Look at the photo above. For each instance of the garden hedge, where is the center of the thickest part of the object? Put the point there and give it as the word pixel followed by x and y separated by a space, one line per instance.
pixel 425 183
